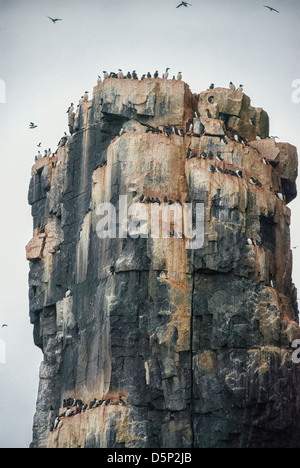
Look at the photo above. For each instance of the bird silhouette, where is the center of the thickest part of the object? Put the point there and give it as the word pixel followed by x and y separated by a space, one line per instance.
pixel 54 20
pixel 4 325
pixel 32 125
pixel 271 8
pixel 185 4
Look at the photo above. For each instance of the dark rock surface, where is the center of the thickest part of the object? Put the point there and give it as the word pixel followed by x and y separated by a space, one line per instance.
pixel 197 343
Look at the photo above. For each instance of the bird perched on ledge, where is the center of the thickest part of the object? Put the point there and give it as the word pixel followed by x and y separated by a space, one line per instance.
pixel 166 74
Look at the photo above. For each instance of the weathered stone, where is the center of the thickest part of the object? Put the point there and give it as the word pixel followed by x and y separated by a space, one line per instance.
pixel 195 343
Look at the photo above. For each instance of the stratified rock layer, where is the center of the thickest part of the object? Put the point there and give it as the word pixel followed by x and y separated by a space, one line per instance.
pixel 180 348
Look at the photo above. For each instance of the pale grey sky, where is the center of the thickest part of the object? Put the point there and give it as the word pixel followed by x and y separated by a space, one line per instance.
pixel 47 66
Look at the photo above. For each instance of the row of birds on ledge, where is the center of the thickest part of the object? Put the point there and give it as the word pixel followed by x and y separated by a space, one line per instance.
pixel 73 407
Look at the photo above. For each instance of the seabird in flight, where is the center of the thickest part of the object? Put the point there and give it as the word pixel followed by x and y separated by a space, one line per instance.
pixel 271 8
pixel 32 125
pixel 39 145
pixel 4 325
pixel 54 20
pixel 185 4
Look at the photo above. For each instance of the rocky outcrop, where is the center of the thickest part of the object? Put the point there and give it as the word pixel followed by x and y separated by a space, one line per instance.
pixel 195 342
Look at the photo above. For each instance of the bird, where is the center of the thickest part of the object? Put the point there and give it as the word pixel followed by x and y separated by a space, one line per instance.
pixel 212 168
pixel 70 109
pixel 179 76
pixel 212 86
pixel 32 125
pixel 134 75
pixel 249 241
pixel 105 74
pixel 231 86
pixel 239 174
pixel 265 161
pixel 4 325
pixel 156 74
pixel 54 20
pixel 120 74
pixel 219 157
pixel 280 196
pixel 219 170
pixel 149 75
pixel 241 88
pixel 185 4
pixel 271 9
pixel 142 198
pixel 203 155
pixel 208 114
pixel 99 80
pixel 253 181
pixel 166 74
pixel 39 145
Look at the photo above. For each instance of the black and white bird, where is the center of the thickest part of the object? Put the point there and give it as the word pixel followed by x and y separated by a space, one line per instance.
pixel 212 86
pixel 105 74
pixel 156 74
pixel 219 170
pixel 239 174
pixel 70 109
pixel 271 9
pixel 166 74
pixel 39 145
pixel 203 155
pixel 231 86
pixel 54 20
pixel 32 125
pixel 241 88
pixel 212 168
pixel 179 76
pixel 219 157
pixel 4 325
pixel 120 74
pixel 185 4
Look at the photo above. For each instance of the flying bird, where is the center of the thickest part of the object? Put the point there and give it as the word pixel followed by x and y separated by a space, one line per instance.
pixel 54 19
pixel 32 125
pixel 39 145
pixel 4 325
pixel 185 4
pixel 271 8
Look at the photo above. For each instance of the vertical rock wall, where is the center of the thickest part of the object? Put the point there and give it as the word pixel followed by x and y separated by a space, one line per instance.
pixel 169 346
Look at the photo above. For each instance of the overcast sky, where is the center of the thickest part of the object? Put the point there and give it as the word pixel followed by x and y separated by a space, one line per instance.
pixel 47 66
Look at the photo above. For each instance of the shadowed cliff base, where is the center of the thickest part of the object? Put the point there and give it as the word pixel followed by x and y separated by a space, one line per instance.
pixel 196 342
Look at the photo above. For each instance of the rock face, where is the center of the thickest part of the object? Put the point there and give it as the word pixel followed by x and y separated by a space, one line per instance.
pixel 169 346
